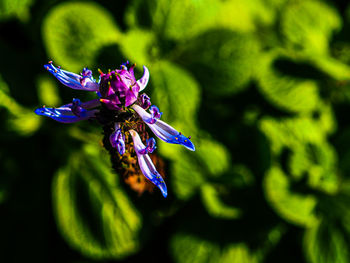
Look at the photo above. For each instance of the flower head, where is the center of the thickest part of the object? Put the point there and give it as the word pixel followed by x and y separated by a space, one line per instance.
pixel 123 112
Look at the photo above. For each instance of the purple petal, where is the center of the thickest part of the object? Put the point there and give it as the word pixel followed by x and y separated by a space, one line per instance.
pixel 76 107
pixel 163 130
pixel 131 97
pixel 111 104
pixel 73 80
pixel 121 84
pixel 145 101
pixel 86 73
pixel 117 140
pixel 155 114
pixel 151 145
pixel 142 82
pixel 146 165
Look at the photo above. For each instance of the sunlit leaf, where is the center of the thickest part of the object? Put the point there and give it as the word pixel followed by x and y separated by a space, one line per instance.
pixel 182 19
pixel 92 212
pixel 310 154
pixel 334 68
pixel 288 93
pixel 139 46
pixel 15 8
pixel 48 91
pixel 309 24
pixel 293 207
pixel 224 64
pixel 301 156
pixel 190 170
pixel 21 120
pixel 325 243
pixel 213 156
pixel 24 123
pixel 186 178
pixel 215 206
pixel 189 248
pixel 176 93
pixel 74 32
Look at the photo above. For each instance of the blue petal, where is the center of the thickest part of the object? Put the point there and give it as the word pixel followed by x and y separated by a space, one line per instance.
pixel 146 165
pixel 150 172
pixel 73 80
pixel 163 130
pixel 183 140
pixel 64 114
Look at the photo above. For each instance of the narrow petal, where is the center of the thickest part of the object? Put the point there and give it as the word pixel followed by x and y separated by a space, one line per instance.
pixel 142 82
pixel 117 139
pixel 146 165
pixel 64 114
pixel 163 130
pixel 73 80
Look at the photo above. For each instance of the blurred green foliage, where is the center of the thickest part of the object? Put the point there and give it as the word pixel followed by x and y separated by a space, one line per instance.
pixel 263 88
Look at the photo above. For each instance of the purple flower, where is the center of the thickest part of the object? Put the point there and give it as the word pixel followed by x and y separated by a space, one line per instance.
pixel 122 111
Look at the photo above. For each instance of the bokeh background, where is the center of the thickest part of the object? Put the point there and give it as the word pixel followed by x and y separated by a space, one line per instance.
pixel 263 88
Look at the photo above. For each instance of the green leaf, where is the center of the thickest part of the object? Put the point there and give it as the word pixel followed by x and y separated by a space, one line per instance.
pixel 92 212
pixel 15 8
pixel 139 46
pixel 20 119
pixel 301 156
pixel 225 64
pixel 188 248
pixel 332 67
pixel 215 206
pixel 325 243
pixel 190 170
pixel 186 179
pixel 183 19
pixel 291 94
pixel 47 91
pixel 74 32
pixel 176 92
pixel 293 207
pixel 214 157
pixel 308 25
pixel 310 154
